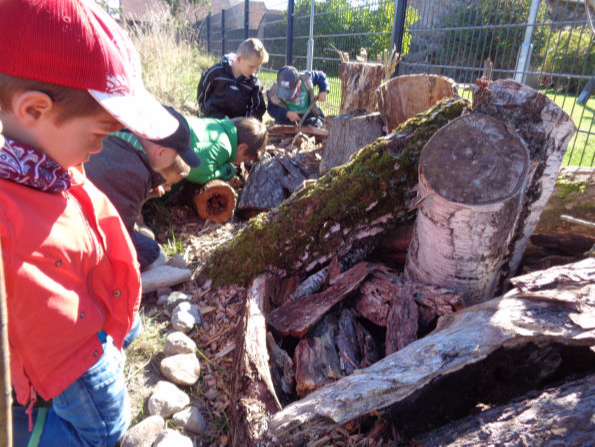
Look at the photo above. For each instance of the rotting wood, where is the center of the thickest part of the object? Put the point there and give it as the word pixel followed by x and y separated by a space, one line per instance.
pixel 348 133
pixel 546 129
pixel 557 416
pixel 359 82
pixel 282 371
pixel 253 388
pixel 286 129
pixel 349 350
pixel 403 97
pixel 296 317
pixel 472 177
pixel 402 321
pixel 478 338
pixel 348 207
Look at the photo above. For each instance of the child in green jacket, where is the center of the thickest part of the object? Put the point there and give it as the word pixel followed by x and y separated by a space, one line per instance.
pixel 220 143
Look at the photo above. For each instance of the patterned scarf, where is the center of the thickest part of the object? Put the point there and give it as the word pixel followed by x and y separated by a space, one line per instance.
pixel 28 166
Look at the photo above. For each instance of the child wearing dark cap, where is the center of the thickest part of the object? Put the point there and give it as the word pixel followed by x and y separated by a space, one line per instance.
pixel 69 75
pixel 129 170
pixel 292 96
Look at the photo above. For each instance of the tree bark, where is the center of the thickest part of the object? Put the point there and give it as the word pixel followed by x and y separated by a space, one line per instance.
pixel 546 130
pixel 253 389
pixel 472 175
pixel 403 97
pixel 359 82
pixel 339 213
pixel 491 352
pixel 348 133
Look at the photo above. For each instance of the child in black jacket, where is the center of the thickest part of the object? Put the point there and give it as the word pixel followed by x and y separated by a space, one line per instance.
pixel 231 88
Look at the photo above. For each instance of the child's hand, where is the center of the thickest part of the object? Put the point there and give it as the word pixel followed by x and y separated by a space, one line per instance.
pixel 157 192
pixel 294 117
pixel 321 96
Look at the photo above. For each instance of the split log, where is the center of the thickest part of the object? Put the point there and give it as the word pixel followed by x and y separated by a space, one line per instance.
pixel 546 130
pixel 472 175
pixel 263 190
pixel 488 353
pixel 253 389
pixel 403 97
pixel 350 352
pixel 315 358
pixel 296 317
pixel 359 82
pixel 339 213
pixel 286 129
pixel 558 416
pixel 348 133
pixel 401 323
pixel 395 244
pixel 282 371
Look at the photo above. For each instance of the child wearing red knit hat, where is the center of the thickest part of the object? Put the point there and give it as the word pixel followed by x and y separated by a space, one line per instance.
pixel 69 75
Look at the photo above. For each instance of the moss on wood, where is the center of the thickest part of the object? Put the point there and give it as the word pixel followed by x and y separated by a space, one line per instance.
pixel 329 216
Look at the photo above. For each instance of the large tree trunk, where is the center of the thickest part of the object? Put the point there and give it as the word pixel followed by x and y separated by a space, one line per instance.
pixel 253 389
pixel 472 175
pixel 347 134
pixel 359 82
pixel 339 213
pixel 488 353
pixel 546 130
pixel 403 97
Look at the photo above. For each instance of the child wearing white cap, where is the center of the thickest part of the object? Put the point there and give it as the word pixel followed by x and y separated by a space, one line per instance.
pixel 69 75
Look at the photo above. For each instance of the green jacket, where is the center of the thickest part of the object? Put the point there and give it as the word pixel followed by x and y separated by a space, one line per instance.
pixel 215 141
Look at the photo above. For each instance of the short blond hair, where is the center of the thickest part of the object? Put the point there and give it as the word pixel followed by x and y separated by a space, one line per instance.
pixel 176 172
pixel 253 48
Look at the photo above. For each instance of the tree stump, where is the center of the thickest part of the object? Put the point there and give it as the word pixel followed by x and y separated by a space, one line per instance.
pixel 348 133
pixel 472 174
pixel 215 201
pixel 405 96
pixel 359 82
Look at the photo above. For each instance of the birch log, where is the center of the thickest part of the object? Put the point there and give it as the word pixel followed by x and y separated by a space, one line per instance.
pixel 472 174
pixel 546 129
pixel 502 348
pixel 359 82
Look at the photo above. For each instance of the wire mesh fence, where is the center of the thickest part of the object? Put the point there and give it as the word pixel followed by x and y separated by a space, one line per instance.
pixel 547 44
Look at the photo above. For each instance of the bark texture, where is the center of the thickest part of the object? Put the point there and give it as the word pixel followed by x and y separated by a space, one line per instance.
pixel 348 133
pixel 359 82
pixel 403 97
pixel 472 176
pixel 345 209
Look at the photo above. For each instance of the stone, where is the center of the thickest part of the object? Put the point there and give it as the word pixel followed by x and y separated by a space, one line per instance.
pixel 182 369
pixel 163 276
pixel 179 343
pixel 190 419
pixel 178 261
pixel 172 438
pixel 185 316
pixel 144 433
pixel 176 298
pixel 167 399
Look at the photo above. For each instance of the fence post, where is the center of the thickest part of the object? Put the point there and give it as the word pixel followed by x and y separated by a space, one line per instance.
pixel 524 57
pixel 246 18
pixel 398 29
pixel 310 57
pixel 209 33
pixel 289 49
pixel 222 32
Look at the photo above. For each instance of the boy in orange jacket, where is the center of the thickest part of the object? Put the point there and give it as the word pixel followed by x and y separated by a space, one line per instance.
pixel 69 75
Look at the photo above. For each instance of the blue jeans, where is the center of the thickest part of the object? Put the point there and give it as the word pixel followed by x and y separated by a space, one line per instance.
pixel 147 250
pixel 93 411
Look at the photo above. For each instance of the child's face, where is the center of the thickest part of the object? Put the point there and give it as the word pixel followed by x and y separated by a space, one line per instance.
pixel 246 67
pixel 72 142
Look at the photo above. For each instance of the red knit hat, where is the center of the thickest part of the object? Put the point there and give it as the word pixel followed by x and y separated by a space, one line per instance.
pixel 75 43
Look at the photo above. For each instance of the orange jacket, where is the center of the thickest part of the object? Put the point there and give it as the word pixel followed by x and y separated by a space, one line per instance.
pixel 70 271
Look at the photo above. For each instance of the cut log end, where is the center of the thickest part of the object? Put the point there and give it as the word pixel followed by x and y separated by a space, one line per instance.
pixel 216 201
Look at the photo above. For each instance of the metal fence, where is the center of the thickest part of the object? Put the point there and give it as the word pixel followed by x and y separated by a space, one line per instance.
pixel 547 44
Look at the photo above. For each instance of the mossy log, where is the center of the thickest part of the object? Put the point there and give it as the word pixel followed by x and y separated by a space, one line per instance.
pixel 345 209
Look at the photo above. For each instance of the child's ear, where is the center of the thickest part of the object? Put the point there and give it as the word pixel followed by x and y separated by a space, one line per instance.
pixel 30 106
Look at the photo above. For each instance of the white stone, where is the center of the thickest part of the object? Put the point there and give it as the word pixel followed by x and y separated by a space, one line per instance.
pixel 171 438
pixel 191 419
pixel 144 433
pixel 179 343
pixel 163 276
pixel 182 369
pixel 185 316
pixel 167 399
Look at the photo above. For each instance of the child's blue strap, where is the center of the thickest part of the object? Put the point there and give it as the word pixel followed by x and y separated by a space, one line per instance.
pixel 38 428
pixel 102 336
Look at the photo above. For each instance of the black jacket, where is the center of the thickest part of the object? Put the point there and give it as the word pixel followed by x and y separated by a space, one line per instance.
pixel 221 95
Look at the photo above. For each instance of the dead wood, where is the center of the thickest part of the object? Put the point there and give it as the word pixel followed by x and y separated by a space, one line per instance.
pixel 472 175
pixel 348 133
pixel 395 243
pixel 350 352
pixel 401 323
pixel 215 201
pixel 558 416
pixel 339 213
pixel 315 358
pixel 285 129
pixel 546 130
pixel 295 318
pixel 282 371
pixel 359 82
pixel 253 389
pixel 403 97
pixel 490 352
